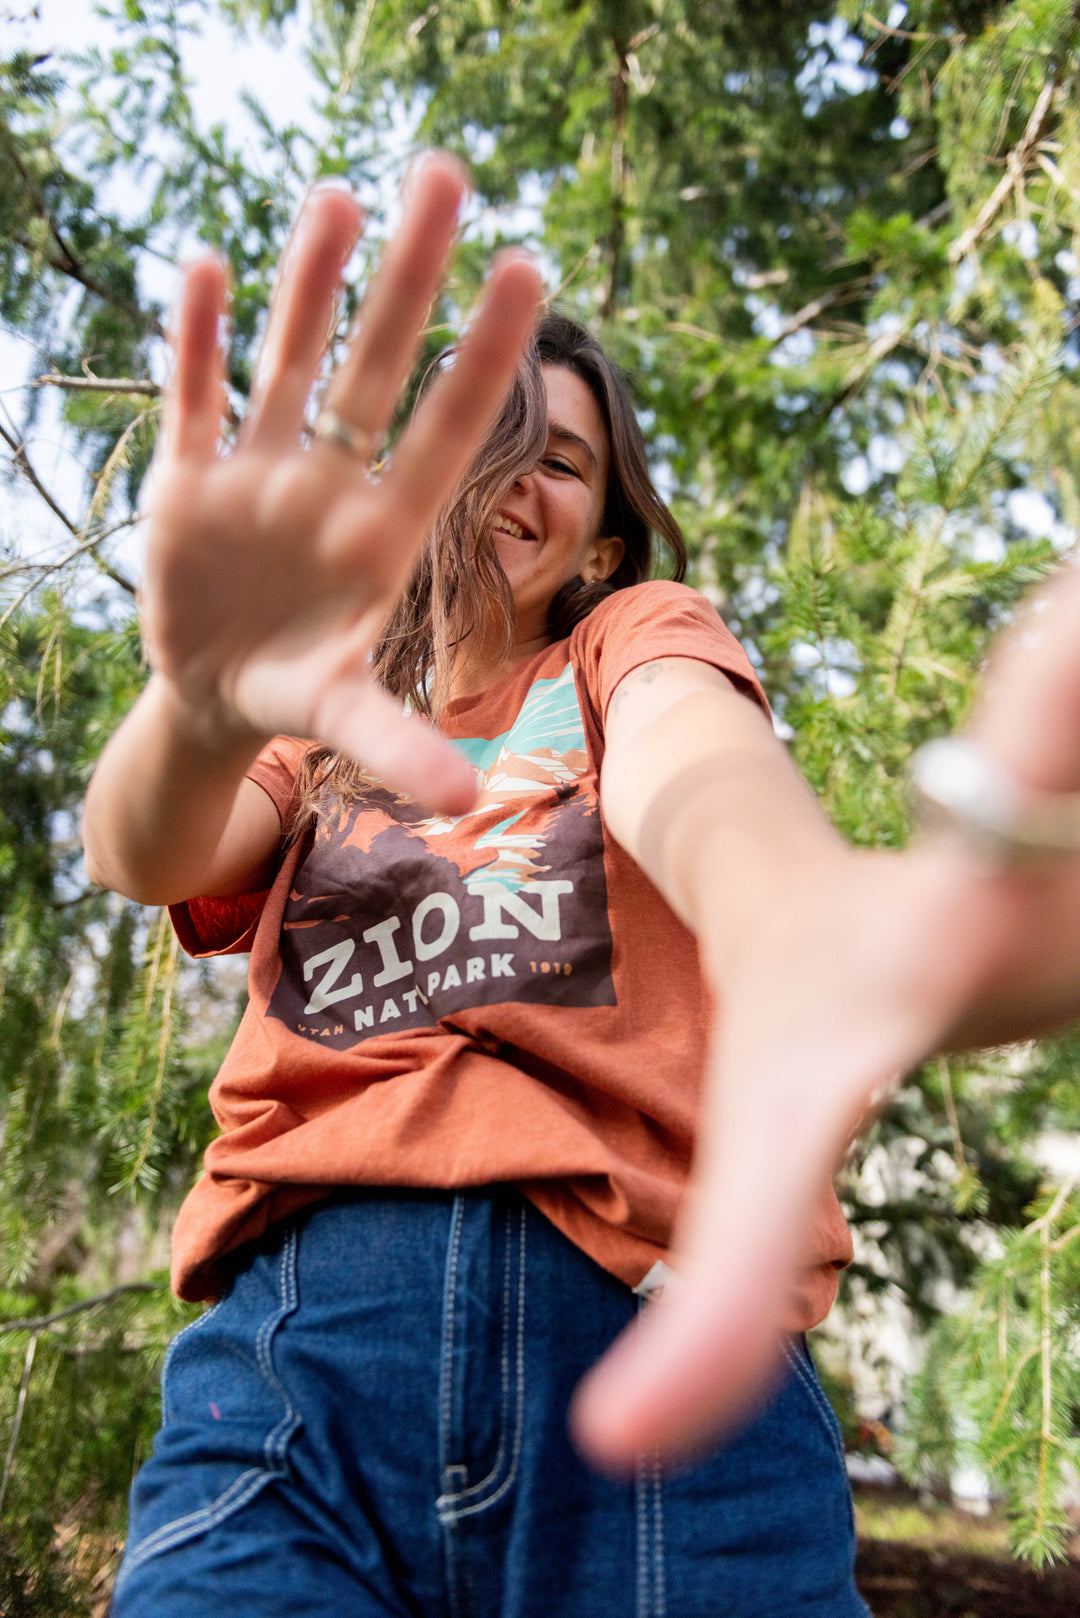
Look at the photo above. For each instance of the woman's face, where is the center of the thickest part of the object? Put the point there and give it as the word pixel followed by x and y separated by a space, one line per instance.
pixel 547 531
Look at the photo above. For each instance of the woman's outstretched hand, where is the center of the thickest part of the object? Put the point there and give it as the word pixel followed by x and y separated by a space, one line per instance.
pixel 270 570
pixel 861 967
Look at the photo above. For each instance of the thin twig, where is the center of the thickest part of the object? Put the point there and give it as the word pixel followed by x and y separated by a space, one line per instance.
pixel 23 464
pixel 1002 1405
pixel 1046 1433
pixel 1014 172
pixel 950 1111
pixel 810 311
pixel 9 1459
pixel 163 1042
pixel 98 384
pixel 879 348
pixel 1046 1220
pixel 43 1322
pixel 903 33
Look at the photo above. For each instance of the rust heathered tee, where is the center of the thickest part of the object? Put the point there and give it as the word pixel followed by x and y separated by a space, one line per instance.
pixel 501 996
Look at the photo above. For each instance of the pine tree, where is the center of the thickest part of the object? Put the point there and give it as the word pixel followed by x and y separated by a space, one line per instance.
pixel 838 255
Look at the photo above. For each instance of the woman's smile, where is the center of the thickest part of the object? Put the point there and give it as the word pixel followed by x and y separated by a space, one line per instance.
pixel 505 524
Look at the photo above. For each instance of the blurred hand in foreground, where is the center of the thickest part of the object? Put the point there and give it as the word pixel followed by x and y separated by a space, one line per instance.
pixel 866 965
pixel 270 570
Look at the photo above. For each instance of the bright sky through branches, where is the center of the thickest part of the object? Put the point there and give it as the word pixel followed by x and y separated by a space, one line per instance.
pixel 220 65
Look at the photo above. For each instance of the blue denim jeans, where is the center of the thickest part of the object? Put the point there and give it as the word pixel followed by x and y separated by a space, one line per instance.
pixel 372 1421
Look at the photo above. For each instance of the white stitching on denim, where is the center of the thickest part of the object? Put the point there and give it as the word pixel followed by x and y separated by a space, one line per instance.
pixel 277 1440
pixel 447 1370
pixel 659 1582
pixel 642 1522
pixel 642 1516
pixel 248 1484
pixel 484 1483
pixel 446 1503
pixel 818 1399
pixel 651 1591
pixel 185 1528
pixel 651 1584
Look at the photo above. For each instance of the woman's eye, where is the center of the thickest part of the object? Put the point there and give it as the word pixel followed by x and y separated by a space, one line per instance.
pixel 556 464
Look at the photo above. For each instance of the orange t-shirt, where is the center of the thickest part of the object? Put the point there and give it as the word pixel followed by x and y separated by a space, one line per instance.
pixel 502 996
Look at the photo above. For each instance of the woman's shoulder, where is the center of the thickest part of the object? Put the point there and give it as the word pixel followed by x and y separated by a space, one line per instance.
pixel 646 622
pixel 656 595
pixel 654 606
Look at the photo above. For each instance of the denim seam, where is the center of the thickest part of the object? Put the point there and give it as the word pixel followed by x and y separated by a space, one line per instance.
pixel 248 1484
pixel 819 1401
pixel 642 1542
pixel 651 1593
pixel 504 1394
pixel 659 1590
pixel 448 1503
pixel 449 1296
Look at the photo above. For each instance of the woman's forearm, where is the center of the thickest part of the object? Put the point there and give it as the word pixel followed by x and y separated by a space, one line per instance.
pixel 708 803
pixel 165 814
pixel 706 800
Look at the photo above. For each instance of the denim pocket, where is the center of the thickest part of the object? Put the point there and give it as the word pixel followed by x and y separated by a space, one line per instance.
pixel 227 1418
pixel 197 1325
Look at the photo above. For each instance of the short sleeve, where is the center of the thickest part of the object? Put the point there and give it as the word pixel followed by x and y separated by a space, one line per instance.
pixel 276 769
pixel 650 621
pixel 226 925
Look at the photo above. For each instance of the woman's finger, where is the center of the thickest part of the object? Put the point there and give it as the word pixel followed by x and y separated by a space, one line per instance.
pixel 830 1016
pixel 361 720
pixel 365 388
pixel 439 444
pixel 195 398
pixel 699 1361
pixel 1029 713
pixel 301 313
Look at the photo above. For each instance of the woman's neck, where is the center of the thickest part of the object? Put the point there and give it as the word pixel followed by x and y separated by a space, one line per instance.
pixel 484 668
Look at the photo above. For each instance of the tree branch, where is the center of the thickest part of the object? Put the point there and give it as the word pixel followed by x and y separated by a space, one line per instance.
pixel 620 99
pixel 810 311
pixel 20 1409
pixel 882 345
pixel 23 464
pixel 98 384
pixel 64 258
pixel 1015 165
pixel 43 1322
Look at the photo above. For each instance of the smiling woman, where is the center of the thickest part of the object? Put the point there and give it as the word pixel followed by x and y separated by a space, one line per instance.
pixel 458 1117
pixel 566 452
pixel 567 432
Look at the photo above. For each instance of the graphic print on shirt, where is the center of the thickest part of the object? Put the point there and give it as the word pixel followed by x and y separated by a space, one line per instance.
pixel 397 920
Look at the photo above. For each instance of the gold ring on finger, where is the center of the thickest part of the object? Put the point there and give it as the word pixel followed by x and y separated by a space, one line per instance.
pixel 331 428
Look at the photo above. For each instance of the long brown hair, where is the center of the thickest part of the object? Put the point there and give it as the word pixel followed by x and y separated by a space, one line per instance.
pixel 459 589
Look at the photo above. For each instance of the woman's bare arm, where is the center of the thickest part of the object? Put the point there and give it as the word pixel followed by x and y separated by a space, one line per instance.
pixel 169 812
pixel 835 971
pixel 697 788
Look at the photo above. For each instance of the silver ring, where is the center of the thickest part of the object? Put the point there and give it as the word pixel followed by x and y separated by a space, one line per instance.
pixel 334 429
pixel 961 790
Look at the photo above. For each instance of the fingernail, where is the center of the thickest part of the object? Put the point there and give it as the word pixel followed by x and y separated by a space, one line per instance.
pixel 435 156
pixel 519 252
